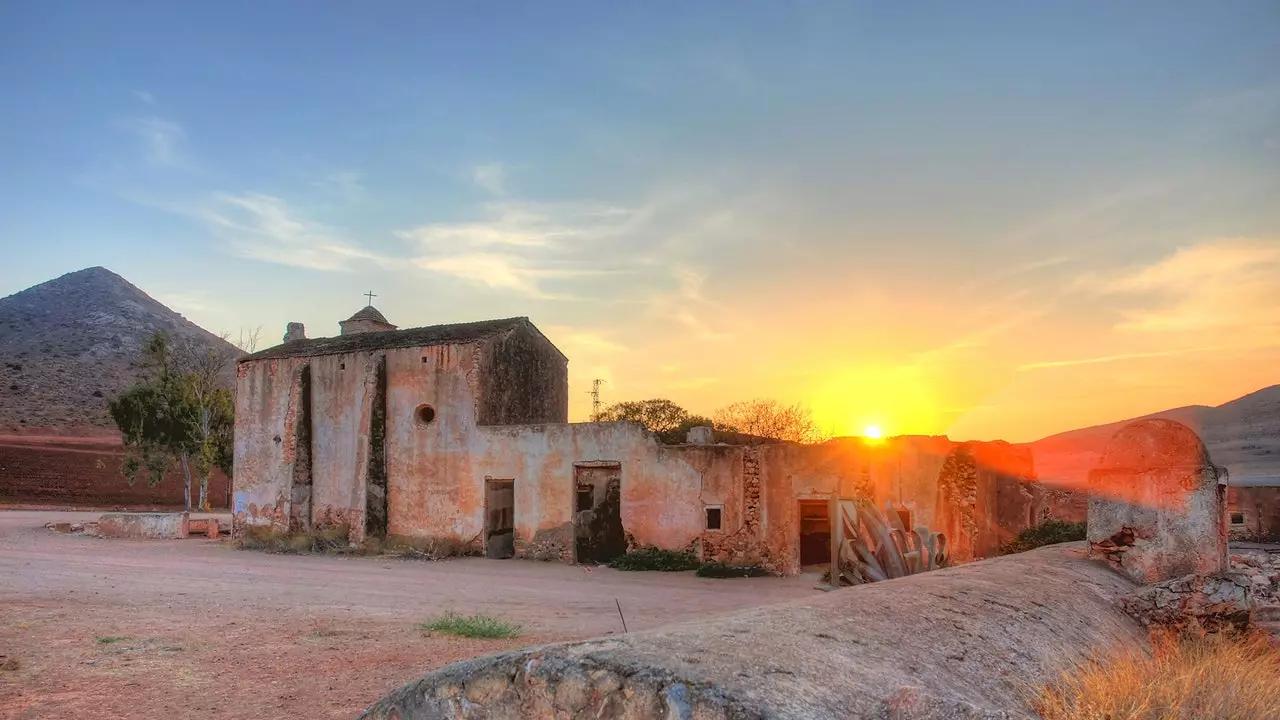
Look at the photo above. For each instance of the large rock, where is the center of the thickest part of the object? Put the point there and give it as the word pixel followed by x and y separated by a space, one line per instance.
pixel 1157 504
pixel 967 642
pixel 1213 603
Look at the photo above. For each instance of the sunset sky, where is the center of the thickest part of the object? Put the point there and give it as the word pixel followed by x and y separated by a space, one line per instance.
pixel 990 220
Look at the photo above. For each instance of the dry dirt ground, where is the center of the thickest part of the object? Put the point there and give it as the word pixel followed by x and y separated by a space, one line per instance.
pixel 194 628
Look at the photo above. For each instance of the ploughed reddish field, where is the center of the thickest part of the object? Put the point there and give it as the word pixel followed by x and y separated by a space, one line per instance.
pixel 43 468
pixel 194 628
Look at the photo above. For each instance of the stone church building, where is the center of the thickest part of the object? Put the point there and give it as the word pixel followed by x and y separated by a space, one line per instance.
pixel 461 432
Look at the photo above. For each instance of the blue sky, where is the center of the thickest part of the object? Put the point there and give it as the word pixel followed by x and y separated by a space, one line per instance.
pixel 989 219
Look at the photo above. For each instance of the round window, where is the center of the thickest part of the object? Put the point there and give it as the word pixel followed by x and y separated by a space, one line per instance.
pixel 425 414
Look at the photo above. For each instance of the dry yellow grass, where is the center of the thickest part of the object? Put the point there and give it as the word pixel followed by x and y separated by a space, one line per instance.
pixel 1193 678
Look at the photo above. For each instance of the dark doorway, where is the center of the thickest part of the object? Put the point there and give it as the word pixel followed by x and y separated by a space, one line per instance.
pixel 499 519
pixel 815 532
pixel 597 518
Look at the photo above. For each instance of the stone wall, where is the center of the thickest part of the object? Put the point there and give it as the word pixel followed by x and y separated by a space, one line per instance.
pixel 1260 508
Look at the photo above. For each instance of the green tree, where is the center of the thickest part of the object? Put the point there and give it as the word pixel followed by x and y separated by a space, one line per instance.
pixel 180 411
pixel 667 420
pixel 157 418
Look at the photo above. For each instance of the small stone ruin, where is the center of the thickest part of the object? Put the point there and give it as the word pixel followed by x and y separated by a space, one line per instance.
pixel 1157 504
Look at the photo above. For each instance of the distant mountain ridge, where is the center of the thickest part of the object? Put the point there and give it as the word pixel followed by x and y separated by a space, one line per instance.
pixel 1243 435
pixel 68 344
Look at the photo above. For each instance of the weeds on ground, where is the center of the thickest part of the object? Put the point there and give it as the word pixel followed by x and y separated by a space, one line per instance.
pixel 111 639
pixel 335 540
pixel 429 548
pixel 722 570
pixel 9 664
pixel 478 625
pixel 1213 676
pixel 652 558
pixel 1049 532
pixel 317 540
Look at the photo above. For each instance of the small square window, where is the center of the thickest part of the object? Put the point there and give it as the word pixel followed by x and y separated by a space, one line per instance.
pixel 713 517
pixel 1237 518
pixel 586 497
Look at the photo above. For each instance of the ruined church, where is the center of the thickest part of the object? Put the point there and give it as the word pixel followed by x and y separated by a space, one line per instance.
pixel 460 433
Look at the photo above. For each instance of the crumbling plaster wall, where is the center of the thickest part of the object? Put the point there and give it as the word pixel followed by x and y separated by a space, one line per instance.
pixel 660 501
pixel 342 390
pixel 267 398
pixel 1261 508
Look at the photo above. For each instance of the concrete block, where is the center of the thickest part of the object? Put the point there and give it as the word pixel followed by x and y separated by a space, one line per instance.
pixel 144 526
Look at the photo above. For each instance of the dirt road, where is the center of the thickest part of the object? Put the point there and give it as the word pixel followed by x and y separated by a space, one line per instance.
pixel 193 628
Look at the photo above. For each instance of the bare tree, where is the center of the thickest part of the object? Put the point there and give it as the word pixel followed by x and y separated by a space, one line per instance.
pixel 249 340
pixel 770 419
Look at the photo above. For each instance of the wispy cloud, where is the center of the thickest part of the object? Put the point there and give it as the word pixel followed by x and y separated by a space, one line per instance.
pixel 1232 282
pixel 491 177
pixel 162 141
pixel 1109 359
pixel 523 246
pixel 264 227
pixel 145 96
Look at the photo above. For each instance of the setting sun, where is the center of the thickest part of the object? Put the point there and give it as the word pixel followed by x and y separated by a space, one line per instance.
pixel 872 432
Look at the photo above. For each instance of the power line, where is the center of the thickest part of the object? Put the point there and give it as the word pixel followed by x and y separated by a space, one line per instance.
pixel 595 397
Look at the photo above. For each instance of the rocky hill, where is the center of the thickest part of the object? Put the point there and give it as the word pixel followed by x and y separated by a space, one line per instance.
pixel 1243 435
pixel 68 344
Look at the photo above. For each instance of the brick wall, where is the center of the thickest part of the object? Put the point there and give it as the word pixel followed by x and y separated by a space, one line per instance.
pixel 89 475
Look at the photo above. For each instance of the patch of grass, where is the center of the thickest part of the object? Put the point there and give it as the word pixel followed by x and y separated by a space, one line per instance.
pixel 723 570
pixel 111 639
pixel 9 664
pixel 478 625
pixel 1049 532
pixel 652 558
pixel 1214 676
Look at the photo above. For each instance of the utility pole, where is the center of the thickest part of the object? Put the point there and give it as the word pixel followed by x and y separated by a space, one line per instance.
pixel 595 397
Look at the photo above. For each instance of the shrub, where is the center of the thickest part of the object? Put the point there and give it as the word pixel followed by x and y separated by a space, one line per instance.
pixel 1215 676
pixel 110 639
pixel 652 558
pixel 721 570
pixel 1049 532
pixel 478 625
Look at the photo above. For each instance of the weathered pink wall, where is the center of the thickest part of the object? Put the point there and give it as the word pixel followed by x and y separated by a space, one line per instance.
pixel 342 389
pixel 431 488
pixel 266 406
pixel 660 492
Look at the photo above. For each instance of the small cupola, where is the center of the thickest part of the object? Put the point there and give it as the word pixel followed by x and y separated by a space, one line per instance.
pixel 366 319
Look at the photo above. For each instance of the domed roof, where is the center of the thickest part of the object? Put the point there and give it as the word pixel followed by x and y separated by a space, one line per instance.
pixel 369 312
pixel 1154 443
